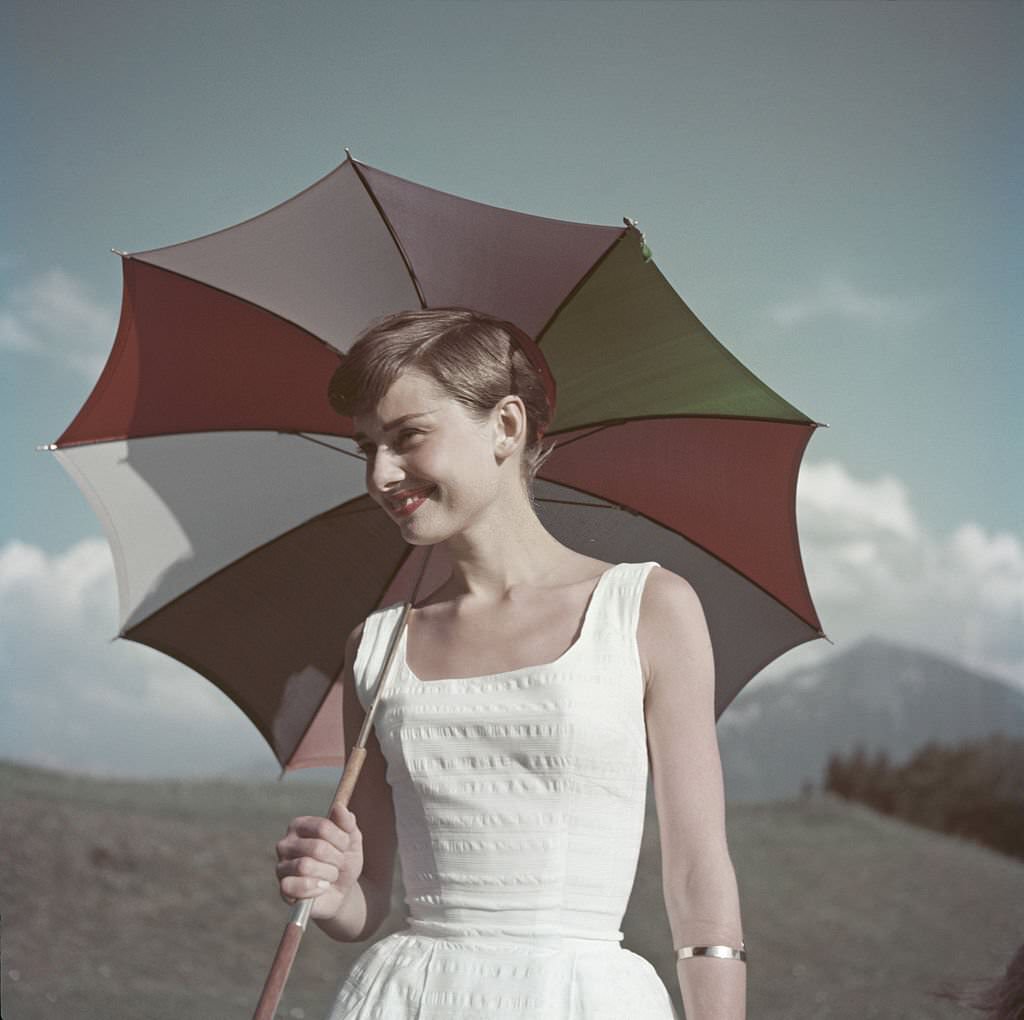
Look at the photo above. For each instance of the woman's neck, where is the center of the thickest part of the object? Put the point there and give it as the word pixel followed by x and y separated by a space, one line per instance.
pixel 495 558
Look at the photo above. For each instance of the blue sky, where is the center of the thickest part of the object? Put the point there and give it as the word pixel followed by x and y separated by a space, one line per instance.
pixel 833 188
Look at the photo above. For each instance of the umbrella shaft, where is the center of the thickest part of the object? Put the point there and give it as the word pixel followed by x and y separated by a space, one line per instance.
pixel 278 976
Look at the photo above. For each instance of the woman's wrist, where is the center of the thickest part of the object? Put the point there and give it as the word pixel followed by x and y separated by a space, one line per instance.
pixel 356 918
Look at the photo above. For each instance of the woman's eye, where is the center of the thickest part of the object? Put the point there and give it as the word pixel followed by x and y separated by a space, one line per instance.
pixel 403 436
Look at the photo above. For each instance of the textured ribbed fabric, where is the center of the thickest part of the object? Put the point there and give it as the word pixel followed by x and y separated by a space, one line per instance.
pixel 519 805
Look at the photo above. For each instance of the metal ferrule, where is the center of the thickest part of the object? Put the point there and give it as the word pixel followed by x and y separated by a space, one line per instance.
pixel 301 912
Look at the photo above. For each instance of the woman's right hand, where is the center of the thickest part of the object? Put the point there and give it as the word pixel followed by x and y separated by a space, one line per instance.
pixel 321 857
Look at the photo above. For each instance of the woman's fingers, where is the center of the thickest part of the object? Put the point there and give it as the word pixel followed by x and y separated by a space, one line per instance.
pixel 310 827
pixel 308 867
pixel 317 854
pixel 304 877
pixel 318 849
pixel 296 888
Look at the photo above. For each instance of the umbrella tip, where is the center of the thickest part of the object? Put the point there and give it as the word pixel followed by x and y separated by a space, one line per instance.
pixel 47 446
pixel 645 249
pixel 123 254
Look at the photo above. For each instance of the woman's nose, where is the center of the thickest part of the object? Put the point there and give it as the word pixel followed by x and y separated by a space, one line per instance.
pixel 385 471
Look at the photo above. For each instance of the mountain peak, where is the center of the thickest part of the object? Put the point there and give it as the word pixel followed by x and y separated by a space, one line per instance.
pixel 884 694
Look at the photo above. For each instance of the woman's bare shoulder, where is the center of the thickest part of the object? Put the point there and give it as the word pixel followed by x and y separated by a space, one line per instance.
pixel 667 591
pixel 671 621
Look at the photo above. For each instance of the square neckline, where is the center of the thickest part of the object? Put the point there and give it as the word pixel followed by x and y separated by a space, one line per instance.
pixel 584 630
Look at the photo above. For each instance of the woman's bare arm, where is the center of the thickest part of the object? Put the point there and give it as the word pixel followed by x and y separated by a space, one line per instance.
pixel 701 896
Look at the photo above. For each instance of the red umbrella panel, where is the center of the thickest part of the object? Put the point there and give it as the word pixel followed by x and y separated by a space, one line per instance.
pixel 233 497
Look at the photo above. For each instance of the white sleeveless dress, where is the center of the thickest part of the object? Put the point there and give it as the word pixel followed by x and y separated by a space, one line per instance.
pixel 519 805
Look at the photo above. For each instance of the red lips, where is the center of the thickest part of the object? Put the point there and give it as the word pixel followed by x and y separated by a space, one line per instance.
pixel 398 505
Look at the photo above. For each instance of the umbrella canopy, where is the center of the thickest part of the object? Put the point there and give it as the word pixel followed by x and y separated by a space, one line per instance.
pixel 234 499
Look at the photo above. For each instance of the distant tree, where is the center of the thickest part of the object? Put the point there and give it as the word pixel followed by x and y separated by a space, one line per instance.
pixel 997 824
pixel 857 772
pixel 924 783
pixel 972 790
pixel 880 784
pixel 836 776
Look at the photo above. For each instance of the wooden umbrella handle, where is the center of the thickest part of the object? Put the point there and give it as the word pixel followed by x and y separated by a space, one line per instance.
pixel 288 947
pixel 279 970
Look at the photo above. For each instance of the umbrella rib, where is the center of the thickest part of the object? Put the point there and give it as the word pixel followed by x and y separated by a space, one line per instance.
pixel 585 435
pixel 579 502
pixel 320 442
pixel 391 230
pixel 580 282
pixel 805 423
pixel 196 432
pixel 586 276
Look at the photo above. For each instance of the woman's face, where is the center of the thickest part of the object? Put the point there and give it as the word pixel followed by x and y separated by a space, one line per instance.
pixel 419 441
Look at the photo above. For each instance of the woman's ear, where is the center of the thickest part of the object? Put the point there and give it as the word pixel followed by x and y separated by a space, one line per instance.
pixel 510 424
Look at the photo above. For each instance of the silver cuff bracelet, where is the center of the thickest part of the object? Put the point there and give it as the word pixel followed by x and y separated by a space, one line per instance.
pixel 722 952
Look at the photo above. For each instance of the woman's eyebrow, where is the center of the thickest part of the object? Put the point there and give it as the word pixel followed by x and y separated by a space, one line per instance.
pixel 394 424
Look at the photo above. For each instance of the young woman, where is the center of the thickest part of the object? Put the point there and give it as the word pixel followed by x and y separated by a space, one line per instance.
pixel 529 694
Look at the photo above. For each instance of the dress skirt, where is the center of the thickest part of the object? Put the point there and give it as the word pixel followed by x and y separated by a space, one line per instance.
pixel 406 976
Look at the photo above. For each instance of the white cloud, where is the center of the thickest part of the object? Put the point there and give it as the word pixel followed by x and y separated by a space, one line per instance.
pixel 14 336
pixel 992 568
pixel 830 496
pixel 834 297
pixel 73 698
pixel 874 569
pixel 54 315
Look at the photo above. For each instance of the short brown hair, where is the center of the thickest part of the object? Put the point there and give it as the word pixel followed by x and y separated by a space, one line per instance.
pixel 473 357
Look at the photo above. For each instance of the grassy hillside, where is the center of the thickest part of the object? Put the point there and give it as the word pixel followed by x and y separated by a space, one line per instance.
pixel 158 901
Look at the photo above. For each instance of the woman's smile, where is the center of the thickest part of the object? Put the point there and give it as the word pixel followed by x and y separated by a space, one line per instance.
pixel 406 504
